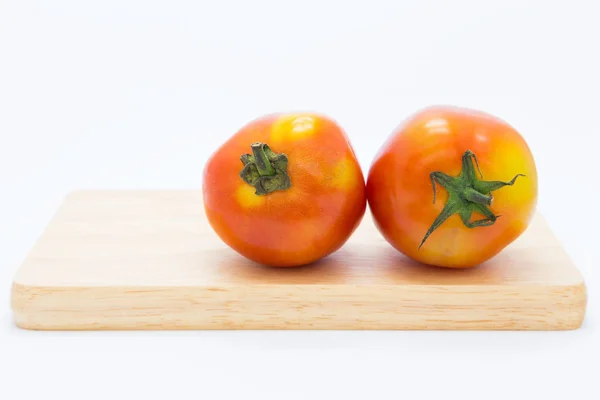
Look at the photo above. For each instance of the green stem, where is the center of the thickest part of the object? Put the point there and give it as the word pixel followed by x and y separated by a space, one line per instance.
pixel 472 195
pixel 466 194
pixel 265 170
pixel 261 160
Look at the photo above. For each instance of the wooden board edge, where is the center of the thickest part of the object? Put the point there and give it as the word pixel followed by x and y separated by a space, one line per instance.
pixel 550 308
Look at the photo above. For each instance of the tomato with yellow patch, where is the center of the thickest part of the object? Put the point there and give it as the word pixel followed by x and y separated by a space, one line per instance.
pixel 452 187
pixel 285 190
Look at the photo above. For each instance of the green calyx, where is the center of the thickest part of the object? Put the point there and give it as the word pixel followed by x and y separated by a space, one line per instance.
pixel 265 170
pixel 466 194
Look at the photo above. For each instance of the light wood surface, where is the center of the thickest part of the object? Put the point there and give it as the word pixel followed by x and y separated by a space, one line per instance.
pixel 149 260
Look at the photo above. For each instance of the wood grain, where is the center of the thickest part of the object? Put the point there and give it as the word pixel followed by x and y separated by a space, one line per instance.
pixel 149 260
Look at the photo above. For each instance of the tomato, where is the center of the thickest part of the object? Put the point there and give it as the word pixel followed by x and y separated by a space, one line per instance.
pixel 452 187
pixel 285 190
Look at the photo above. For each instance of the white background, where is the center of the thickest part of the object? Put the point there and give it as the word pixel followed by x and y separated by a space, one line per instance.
pixel 136 94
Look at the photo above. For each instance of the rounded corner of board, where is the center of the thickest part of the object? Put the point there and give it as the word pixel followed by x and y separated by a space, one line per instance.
pixel 20 322
pixel 574 299
pixel 20 297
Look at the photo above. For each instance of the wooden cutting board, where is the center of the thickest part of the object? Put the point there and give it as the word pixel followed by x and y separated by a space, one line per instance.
pixel 149 260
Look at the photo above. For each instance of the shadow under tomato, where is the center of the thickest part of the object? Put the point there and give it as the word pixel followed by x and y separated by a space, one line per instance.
pixel 231 267
pixel 355 265
pixel 402 269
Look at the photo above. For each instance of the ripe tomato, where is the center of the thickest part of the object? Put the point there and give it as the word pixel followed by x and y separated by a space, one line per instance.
pixel 428 196
pixel 285 190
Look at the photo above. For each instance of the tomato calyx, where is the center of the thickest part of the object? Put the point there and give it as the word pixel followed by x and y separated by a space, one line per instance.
pixel 265 170
pixel 467 194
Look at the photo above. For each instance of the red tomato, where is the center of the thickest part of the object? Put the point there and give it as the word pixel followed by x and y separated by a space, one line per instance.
pixel 285 190
pixel 452 187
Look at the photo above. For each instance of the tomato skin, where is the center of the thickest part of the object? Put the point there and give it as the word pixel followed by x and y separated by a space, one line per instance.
pixel 295 226
pixel 399 187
